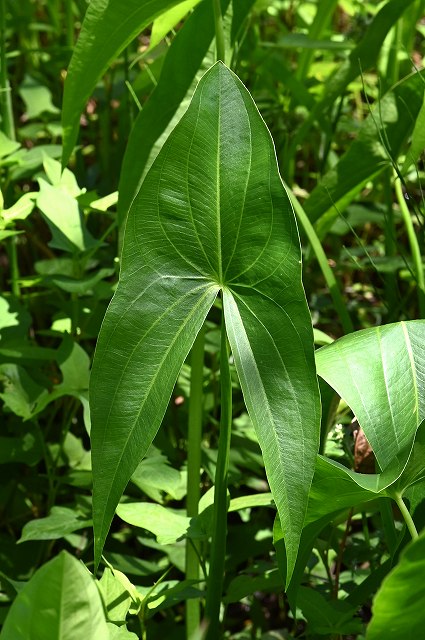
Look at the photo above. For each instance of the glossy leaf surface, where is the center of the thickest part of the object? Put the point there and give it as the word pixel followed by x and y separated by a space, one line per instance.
pixel 380 373
pixel 212 214
pixel 60 602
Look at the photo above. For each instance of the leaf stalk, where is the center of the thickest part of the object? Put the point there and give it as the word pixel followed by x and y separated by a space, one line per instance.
pixel 219 528
pixel 193 611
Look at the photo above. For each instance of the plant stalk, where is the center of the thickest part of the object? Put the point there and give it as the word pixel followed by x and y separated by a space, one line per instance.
pixel 406 515
pixel 193 611
pixel 219 31
pixel 327 272
pixel 5 91
pixel 219 527
pixel 414 246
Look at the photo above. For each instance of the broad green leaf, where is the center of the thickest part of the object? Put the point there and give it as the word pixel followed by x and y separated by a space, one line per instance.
pixel 120 633
pixel 168 525
pixel 7 146
pixel 21 209
pixel 108 27
pixel 37 98
pixel 398 609
pixel 59 522
pixel 211 215
pixel 168 21
pixel 414 471
pixel 64 219
pixel 26 161
pixel 183 60
pixel 380 373
pixel 379 141
pixel 20 393
pixel 154 476
pixel 115 596
pixel 60 602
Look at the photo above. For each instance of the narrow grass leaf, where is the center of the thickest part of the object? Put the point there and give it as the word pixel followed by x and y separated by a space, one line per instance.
pixel 378 143
pixel 108 27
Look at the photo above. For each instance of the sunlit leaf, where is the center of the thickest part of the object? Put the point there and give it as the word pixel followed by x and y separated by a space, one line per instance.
pixel 108 27
pixel 212 215
pixel 380 373
pixel 60 602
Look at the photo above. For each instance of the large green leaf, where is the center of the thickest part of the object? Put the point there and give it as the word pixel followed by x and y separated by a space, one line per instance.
pixel 60 602
pixel 380 373
pixel 212 214
pixel 108 27
pixel 398 609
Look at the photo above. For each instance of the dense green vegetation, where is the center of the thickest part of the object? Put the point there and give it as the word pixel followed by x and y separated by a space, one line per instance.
pixel 193 478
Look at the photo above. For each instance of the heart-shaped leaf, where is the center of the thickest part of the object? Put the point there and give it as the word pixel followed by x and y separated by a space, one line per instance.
pixel 212 215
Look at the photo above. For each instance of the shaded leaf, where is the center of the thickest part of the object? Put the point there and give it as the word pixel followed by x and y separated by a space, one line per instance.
pixel 398 609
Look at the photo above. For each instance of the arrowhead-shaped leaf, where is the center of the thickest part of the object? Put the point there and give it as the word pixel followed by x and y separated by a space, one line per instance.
pixel 212 215
pixel 380 373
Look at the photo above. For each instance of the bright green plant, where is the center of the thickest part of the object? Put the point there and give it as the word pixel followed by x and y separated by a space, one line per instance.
pixel 212 217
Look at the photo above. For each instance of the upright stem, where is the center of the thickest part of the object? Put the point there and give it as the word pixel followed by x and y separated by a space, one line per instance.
pixel 219 527
pixel 406 515
pixel 327 272
pixel 193 611
pixel 5 92
pixel 219 31
pixel 69 18
pixel 414 246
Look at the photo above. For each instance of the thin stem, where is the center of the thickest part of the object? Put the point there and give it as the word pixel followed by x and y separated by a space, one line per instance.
pixel 69 17
pixel 327 272
pixel 219 527
pixel 14 266
pixel 406 515
pixel 5 91
pixel 390 532
pixel 414 246
pixel 193 611
pixel 219 31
